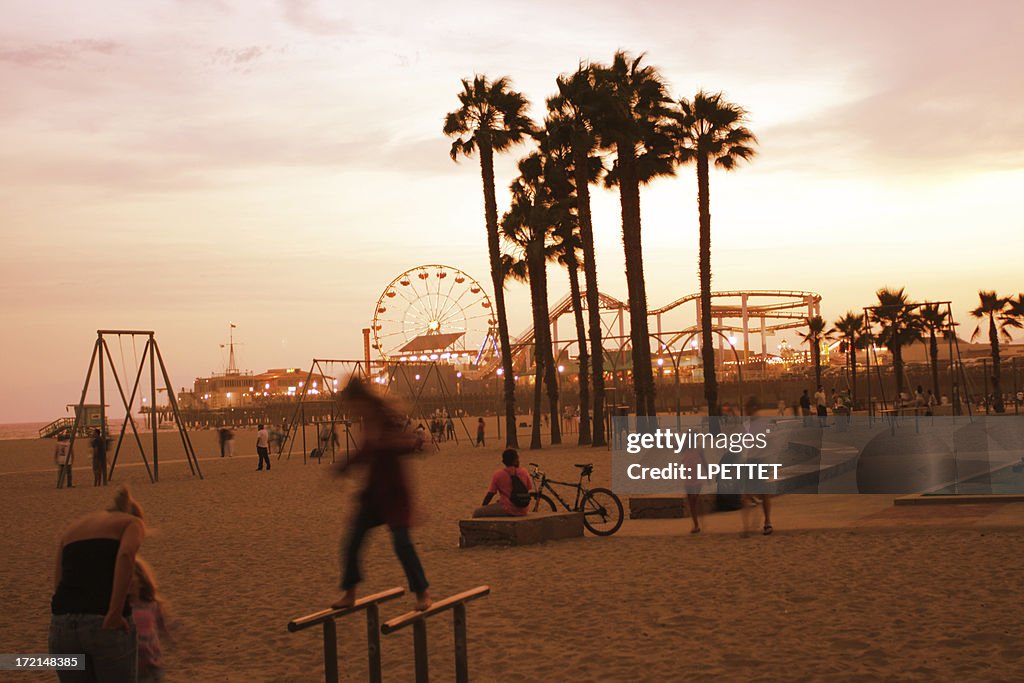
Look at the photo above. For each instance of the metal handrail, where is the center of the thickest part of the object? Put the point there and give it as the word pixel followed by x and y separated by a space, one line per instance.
pixel 327 618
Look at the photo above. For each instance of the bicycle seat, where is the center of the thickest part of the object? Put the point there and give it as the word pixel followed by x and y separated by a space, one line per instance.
pixel 586 470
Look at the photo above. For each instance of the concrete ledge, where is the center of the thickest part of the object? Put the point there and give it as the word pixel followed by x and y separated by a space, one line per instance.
pixel 666 507
pixel 958 499
pixel 511 531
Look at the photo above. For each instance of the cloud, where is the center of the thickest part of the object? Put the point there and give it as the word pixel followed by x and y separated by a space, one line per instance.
pixel 304 15
pixel 242 55
pixel 55 55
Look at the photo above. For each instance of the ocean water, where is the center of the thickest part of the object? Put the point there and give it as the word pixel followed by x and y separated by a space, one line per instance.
pixel 21 430
pixel 30 430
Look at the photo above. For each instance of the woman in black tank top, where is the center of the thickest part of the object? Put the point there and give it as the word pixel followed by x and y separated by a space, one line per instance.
pixel 90 610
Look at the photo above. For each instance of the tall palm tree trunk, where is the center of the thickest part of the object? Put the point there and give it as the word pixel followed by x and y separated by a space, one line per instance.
pixel 897 367
pixel 707 342
pixel 993 340
pixel 581 341
pixel 538 272
pixel 816 357
pixel 933 352
pixel 540 358
pixel 497 280
pixel 593 300
pixel 629 196
pixel 538 383
pixel 853 373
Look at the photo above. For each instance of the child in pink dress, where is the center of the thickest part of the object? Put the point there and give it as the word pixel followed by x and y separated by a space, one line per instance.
pixel 148 615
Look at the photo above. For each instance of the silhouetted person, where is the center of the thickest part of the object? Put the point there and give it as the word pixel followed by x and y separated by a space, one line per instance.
pixel 99 458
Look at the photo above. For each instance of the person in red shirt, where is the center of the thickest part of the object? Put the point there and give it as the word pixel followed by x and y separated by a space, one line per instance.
pixel 501 484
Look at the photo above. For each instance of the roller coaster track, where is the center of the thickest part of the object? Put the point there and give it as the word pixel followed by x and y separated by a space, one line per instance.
pixel 784 311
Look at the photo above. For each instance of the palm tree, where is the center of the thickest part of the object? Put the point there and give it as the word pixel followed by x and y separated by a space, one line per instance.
pixel 814 336
pixel 706 128
pixel 570 121
pixel 935 321
pixel 568 254
pixel 527 229
pixel 491 118
pixel 629 116
pixel 850 328
pixel 1001 320
pixel 899 327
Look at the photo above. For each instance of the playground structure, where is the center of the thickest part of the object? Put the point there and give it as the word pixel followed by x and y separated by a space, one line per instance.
pixel 325 414
pixel 102 358
pixel 416 618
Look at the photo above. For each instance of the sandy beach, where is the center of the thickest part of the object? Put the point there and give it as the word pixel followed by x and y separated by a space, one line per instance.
pixel 848 587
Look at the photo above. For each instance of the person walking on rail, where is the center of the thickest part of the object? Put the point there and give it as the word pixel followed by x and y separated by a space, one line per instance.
pixel 385 498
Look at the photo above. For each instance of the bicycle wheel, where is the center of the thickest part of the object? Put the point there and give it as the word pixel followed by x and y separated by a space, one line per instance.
pixel 602 512
pixel 541 503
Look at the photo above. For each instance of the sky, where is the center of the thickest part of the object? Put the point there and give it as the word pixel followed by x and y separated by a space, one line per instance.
pixel 177 166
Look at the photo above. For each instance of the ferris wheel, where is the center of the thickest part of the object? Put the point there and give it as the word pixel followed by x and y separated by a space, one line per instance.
pixel 434 312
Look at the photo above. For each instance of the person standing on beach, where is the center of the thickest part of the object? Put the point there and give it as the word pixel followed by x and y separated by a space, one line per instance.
pixel 90 611
pixel 805 408
pixel 480 432
pixel 385 498
pixel 223 436
pixel 821 403
pixel 263 447
pixel 99 458
pixel 62 459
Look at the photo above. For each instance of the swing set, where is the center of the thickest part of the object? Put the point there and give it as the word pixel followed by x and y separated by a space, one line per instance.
pixel 100 359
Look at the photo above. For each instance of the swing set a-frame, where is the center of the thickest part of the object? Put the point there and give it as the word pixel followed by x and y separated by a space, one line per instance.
pixel 100 359
pixel 333 406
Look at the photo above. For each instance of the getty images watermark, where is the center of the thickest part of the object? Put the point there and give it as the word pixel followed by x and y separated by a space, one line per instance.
pixel 692 455
pixel 896 452
pixel 666 440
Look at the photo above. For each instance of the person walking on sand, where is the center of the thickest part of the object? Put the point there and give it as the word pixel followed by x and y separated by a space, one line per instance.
pixel 692 459
pixel 63 459
pixel 480 432
pixel 263 447
pixel 90 612
pixel 99 458
pixel 513 497
pixel 385 498
pixel 750 501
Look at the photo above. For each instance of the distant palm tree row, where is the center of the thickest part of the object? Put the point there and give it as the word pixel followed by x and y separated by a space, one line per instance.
pixel 614 123
pixel 896 322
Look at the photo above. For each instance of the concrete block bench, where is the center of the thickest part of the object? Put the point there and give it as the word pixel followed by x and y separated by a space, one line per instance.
pixel 666 506
pixel 535 527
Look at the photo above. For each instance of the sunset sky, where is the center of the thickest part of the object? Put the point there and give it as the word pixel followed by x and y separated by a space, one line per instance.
pixel 178 165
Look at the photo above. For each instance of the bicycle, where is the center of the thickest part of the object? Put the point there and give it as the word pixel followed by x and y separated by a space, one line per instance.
pixel 601 508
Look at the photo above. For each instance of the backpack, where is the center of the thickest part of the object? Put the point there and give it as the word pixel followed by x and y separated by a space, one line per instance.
pixel 520 495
